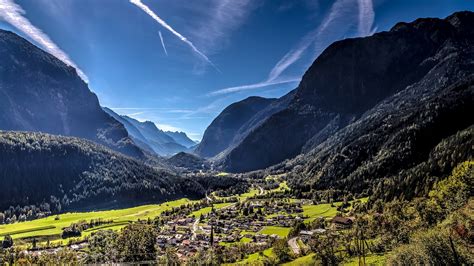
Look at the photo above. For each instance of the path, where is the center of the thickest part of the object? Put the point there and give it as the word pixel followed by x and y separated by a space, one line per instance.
pixel 195 228
pixel 261 190
pixel 293 243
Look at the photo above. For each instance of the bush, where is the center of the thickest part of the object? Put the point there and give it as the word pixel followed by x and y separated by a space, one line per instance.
pixel 7 242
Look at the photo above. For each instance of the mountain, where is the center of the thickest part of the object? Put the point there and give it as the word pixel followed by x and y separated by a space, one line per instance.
pixel 133 132
pixel 181 138
pixel 37 168
pixel 38 92
pixel 221 132
pixel 400 148
pixel 150 138
pixel 350 78
pixel 188 161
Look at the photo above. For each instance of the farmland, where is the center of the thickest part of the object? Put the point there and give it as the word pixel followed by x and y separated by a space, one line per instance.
pixel 51 227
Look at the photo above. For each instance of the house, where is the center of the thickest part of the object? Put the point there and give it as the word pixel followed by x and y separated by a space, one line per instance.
pixel 339 222
pixel 306 234
pixel 319 231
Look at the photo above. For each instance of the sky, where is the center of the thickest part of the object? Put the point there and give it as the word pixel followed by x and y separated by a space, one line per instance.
pixel 179 63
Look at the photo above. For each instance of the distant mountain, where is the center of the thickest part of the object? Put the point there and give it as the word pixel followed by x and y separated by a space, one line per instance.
pixel 221 132
pixel 354 75
pixel 149 137
pixel 133 132
pixel 40 93
pixel 37 168
pixel 181 138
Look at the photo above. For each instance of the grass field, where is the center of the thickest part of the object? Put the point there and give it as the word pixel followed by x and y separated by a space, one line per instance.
pixel 277 230
pixel 372 259
pixel 251 193
pixel 301 261
pixel 324 210
pixel 320 210
pixel 208 209
pixel 254 258
pixel 49 226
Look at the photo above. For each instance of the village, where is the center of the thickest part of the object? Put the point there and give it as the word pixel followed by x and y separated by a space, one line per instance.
pixel 255 222
pixel 251 222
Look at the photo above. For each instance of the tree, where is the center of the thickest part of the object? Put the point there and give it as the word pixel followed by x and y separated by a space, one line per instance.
pixel 170 258
pixel 102 247
pixel 137 243
pixel 325 248
pixel 281 250
pixel 7 241
pixel 2 218
pixel 212 236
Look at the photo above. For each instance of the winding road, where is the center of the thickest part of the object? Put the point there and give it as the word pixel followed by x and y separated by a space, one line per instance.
pixel 293 243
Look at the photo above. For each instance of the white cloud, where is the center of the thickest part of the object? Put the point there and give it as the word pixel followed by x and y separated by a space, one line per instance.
pixel 220 19
pixel 14 15
pixel 160 21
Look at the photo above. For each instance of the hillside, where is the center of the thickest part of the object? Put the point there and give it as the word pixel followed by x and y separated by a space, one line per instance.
pixel 38 168
pixel 396 152
pixel 220 133
pixel 40 93
pixel 188 161
pixel 181 138
pixel 351 77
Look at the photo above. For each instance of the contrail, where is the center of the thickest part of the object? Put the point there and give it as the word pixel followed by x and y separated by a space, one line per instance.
pixel 366 17
pixel 14 15
pixel 254 86
pixel 160 21
pixel 163 43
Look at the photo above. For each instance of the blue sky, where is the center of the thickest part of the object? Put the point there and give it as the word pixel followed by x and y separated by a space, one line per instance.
pixel 210 52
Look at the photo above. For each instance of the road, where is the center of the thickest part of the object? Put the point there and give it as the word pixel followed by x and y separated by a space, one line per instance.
pixel 293 243
pixel 195 228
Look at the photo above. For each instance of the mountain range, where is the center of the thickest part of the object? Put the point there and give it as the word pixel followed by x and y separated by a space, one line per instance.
pixel 350 80
pixel 149 137
pixel 38 168
pixel 386 115
pixel 38 92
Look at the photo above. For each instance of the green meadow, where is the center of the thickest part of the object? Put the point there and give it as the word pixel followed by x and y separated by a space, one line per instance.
pixel 277 230
pixel 52 227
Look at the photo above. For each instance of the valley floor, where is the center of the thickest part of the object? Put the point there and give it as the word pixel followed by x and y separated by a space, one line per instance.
pixel 256 218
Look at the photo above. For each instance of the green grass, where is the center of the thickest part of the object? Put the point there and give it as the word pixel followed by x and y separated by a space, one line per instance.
pixel 372 259
pixel 301 261
pixel 222 174
pixel 28 230
pixel 277 230
pixel 254 258
pixel 50 227
pixel 247 232
pixel 245 240
pixel 207 210
pixel 320 210
pixel 249 194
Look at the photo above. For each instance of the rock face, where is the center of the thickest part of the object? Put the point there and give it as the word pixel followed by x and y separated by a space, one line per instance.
pixel 221 133
pixel 350 78
pixel 38 92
